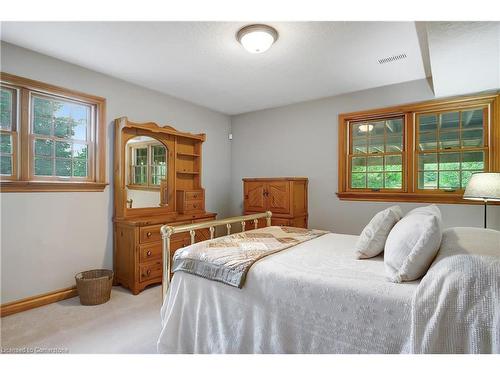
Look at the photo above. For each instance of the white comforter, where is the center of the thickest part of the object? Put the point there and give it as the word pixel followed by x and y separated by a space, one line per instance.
pixel 456 308
pixel 312 298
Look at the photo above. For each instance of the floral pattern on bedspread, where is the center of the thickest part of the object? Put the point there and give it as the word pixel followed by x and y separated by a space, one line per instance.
pixel 227 259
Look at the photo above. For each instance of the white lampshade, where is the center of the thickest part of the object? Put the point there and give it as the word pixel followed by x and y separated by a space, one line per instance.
pixel 483 187
pixel 257 38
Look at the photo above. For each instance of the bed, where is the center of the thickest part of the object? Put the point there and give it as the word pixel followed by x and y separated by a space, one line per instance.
pixel 314 297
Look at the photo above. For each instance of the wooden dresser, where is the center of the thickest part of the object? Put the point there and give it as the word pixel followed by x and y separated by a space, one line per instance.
pixel 157 181
pixel 285 197
pixel 138 247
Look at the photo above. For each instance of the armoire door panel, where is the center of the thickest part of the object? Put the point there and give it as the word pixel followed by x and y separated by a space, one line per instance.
pixel 255 199
pixel 278 196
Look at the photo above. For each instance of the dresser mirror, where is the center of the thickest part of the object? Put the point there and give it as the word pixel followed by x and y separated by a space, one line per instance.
pixel 146 161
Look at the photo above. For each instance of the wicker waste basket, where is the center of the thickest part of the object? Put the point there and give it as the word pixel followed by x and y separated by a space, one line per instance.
pixel 94 286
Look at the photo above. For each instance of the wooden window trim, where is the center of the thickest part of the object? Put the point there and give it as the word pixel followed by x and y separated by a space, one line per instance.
pixel 411 194
pixel 22 181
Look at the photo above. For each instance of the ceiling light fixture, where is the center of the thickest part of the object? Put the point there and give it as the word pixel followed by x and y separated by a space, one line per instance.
pixel 257 38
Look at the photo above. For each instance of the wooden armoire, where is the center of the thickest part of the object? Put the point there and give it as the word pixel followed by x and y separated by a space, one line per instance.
pixel 173 178
pixel 285 197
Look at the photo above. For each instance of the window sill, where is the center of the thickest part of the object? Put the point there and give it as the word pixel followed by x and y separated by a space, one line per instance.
pixel 50 186
pixel 143 187
pixel 451 198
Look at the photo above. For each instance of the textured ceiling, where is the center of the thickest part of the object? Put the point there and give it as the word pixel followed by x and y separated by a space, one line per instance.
pixel 201 61
pixel 465 56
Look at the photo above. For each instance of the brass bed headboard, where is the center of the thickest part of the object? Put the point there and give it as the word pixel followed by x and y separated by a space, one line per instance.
pixel 167 231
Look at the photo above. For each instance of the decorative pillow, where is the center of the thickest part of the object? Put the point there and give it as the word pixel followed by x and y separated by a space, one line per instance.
pixel 412 244
pixel 371 241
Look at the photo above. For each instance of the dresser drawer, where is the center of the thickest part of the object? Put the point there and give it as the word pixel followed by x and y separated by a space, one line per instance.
pixel 150 251
pixel 150 271
pixel 150 234
pixel 194 195
pixel 194 205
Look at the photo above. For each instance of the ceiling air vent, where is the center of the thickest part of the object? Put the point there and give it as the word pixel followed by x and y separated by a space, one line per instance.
pixel 389 59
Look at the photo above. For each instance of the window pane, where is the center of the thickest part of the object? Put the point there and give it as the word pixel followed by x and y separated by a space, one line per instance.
pixel 80 151
pixel 6 99
pixel 473 160
pixel 5 143
pixel 472 138
pixel 358 164
pixel 79 168
pixel 449 161
pixel 44 167
pixel 44 147
pixel 375 163
pixel 394 144
pixel 394 127
pixel 6 165
pixel 449 139
pixel 427 123
pixel 449 121
pixel 358 180
pixel 377 130
pixel 449 180
pixel 472 119
pixel 427 180
pixel 427 162
pixel 159 154
pixel 375 180
pixel 70 119
pixel 141 156
pixel 140 175
pixel 63 167
pixel 393 163
pixel 393 180
pixel 42 125
pixel 361 129
pixel 376 145
pixel 63 149
pixel 427 141
pixel 359 145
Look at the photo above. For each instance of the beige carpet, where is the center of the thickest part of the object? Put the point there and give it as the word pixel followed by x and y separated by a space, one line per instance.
pixel 125 324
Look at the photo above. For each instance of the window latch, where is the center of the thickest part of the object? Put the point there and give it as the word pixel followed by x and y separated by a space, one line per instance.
pixel 375 190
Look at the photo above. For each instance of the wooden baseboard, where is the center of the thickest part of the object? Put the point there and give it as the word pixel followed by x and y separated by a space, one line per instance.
pixel 37 301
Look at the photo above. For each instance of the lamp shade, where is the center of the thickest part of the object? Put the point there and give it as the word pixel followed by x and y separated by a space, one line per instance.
pixel 483 187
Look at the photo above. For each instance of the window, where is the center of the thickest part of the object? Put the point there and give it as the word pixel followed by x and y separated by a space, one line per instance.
pixel 8 134
pixel 60 135
pixel 451 147
pixel 418 152
pixel 148 165
pixel 376 154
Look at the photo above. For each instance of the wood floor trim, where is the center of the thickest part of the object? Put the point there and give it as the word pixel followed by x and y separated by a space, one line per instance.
pixel 37 301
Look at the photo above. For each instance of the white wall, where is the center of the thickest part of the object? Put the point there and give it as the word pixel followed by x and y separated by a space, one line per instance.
pixel 48 237
pixel 301 140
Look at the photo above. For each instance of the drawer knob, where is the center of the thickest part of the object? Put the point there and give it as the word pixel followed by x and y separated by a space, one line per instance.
pixel 148 253
pixel 195 196
pixel 148 234
pixel 148 272
pixel 195 205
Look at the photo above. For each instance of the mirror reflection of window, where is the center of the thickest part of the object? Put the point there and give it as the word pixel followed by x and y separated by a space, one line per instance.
pixel 147 163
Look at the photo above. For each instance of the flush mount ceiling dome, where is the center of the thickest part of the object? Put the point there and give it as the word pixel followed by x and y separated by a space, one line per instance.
pixel 257 38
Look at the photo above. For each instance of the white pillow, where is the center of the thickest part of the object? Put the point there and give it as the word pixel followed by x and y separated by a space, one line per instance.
pixel 412 244
pixel 371 241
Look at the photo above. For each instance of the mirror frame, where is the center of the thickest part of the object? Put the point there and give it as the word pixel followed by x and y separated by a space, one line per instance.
pixel 167 135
